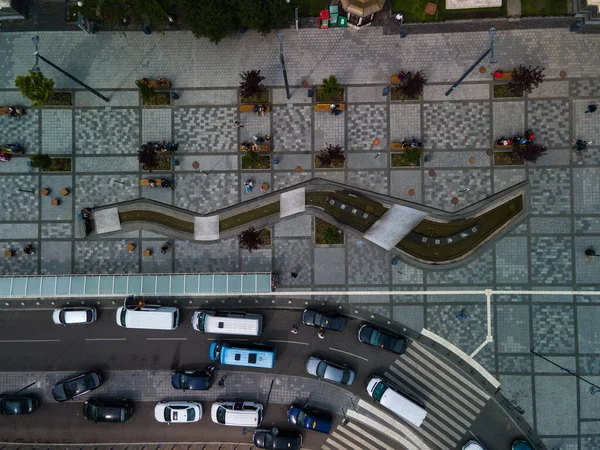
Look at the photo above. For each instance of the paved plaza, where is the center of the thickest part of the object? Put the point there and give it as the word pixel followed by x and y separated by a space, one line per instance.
pixel 545 251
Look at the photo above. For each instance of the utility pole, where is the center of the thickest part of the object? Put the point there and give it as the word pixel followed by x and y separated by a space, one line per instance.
pixel 492 33
pixel 466 74
pixel 281 37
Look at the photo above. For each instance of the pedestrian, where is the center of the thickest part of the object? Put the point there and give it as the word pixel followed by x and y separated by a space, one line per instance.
pixel 294 274
pixel 294 329
pixel 321 334
pixel 591 108
pixel 237 124
pixel 399 18
pixel 461 315
pixel 174 95
pixel 579 144
pixel 222 382
pixel 333 108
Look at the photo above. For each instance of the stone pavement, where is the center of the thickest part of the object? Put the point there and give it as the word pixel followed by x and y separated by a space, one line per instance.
pixel 545 251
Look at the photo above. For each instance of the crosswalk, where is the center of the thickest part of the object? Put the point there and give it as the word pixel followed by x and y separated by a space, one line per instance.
pixel 452 401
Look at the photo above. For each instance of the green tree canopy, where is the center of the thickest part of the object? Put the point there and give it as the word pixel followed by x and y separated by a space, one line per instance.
pixel 36 87
pixel 213 19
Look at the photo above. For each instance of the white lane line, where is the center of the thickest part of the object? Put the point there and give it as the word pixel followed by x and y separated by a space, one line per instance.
pixel 385 430
pixel 166 339
pixel 356 438
pixel 228 339
pixel 106 339
pixel 17 341
pixel 368 435
pixel 347 353
pixel 288 342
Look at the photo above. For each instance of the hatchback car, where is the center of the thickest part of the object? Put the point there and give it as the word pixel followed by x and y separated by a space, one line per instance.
pixel 368 334
pixel 311 419
pixel 77 386
pixel 178 411
pixel 472 445
pixel 193 380
pixel 280 441
pixel 520 444
pixel 74 315
pixel 326 370
pixel 108 409
pixel 13 405
pixel 316 319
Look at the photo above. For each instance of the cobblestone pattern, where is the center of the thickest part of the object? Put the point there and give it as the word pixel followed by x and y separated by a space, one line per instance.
pixel 206 130
pixel 57 131
pixel 359 251
pixel 586 190
pixel 329 129
pixel 372 180
pixel 505 178
pixel 514 364
pixel 284 179
pixel 550 191
pixel 587 225
pixel 550 120
pixel 405 121
pixel 440 189
pixel 514 298
pixel 591 157
pixel 550 225
pixel 513 328
pixel 382 310
pixel 23 130
pixel 192 257
pixel 205 193
pixel 20 205
pixel 57 230
pixel 365 123
pixel 293 255
pixel 441 320
pixel 584 88
pixel 553 328
pixel 551 260
pixel 589 365
pixel 56 257
pixel 105 257
pixel 99 190
pixel 156 124
pixel 407 298
pixel 509 118
pixel 478 271
pixel 511 260
pixel 100 132
pixel 292 131
pixel 588 443
pixel 456 125
pixel 20 263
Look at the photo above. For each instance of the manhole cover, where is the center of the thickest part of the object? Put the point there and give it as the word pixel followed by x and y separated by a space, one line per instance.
pixel 431 173
pixel 482 69
pixel 298 169
pixel 562 74
pixel 376 141
pixel 411 192
pixel 472 160
pixel 196 165
pixel 454 200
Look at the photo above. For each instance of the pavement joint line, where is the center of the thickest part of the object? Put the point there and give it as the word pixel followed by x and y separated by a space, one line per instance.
pixel 347 353
pixel 28 340
pixel 288 342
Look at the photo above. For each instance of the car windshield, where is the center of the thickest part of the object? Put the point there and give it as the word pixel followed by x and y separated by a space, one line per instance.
pixel 91 411
pixel 301 418
pixel 268 440
pixel 183 381
pixel 61 316
pixel 88 315
pixel 75 387
pixel 345 376
pixel 375 337
pixel 321 368
pixel 221 414
pixel 168 414
pixel 379 391
pixel 191 414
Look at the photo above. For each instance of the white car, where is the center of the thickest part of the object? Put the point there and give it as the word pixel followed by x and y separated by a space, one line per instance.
pixel 178 411
pixel 74 315
pixel 472 445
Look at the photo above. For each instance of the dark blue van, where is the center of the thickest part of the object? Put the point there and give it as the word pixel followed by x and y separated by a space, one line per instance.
pixel 311 419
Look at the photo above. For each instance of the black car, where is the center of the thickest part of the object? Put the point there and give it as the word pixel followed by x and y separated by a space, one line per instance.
pixel 21 404
pixel 368 334
pixel 108 409
pixel 316 319
pixel 280 441
pixel 76 386
pixel 197 380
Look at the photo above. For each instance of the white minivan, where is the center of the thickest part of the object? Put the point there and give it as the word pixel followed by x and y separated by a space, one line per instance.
pixel 237 414
pixel 382 392
pixel 222 322
pixel 148 317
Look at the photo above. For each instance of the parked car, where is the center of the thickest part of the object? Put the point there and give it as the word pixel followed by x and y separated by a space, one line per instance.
pixel 193 380
pixel 319 320
pixel 77 386
pixel 311 419
pixel 521 444
pixel 108 409
pixel 13 405
pixel 178 411
pixel 280 441
pixel 368 334
pixel 74 315
pixel 326 370
pixel 472 445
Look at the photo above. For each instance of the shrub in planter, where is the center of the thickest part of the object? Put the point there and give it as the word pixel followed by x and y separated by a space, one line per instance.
pixel 41 161
pixel 526 78
pixel 36 87
pixel 331 156
pixel 251 87
pixel 530 152
pixel 148 158
pixel 252 160
pixel 411 88
pixel 250 239
pixel 146 91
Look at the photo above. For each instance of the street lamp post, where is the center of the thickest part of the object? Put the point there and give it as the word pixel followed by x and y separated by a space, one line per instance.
pixel 492 33
pixel 36 68
pixel 281 37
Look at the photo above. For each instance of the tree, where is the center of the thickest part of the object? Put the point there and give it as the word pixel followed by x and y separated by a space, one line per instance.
pixel 147 157
pixel 146 91
pixel 332 155
pixel 36 87
pixel 530 151
pixel 251 84
pixel 526 78
pixel 250 239
pixel 412 155
pixel 263 15
pixel 41 161
pixel 412 88
pixel 213 19
pixel 330 86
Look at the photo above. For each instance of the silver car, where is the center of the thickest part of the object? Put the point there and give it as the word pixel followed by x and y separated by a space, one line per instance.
pixel 74 315
pixel 325 370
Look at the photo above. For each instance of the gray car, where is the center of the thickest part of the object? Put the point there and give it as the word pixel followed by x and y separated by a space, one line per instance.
pixel 325 370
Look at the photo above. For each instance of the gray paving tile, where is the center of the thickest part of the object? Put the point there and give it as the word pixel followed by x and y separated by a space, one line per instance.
pixel 329 129
pixel 438 191
pixel 556 393
pixel 511 260
pixel 586 190
pixel 56 257
pixel 102 131
pixel 299 226
pixel 193 257
pixel 330 265
pixel 365 123
pixel 479 270
pixel 402 181
pixel 554 328
pixel 405 121
pixel 551 260
pixel 372 180
pixel 509 118
pixel 63 211
pixel 513 328
pixel 550 191
pixel 293 255
pixel 57 131
pixel 292 131
pixel 206 193
pixel 206 130
pixel 549 120
pixel 550 225
pixel 456 125
pixel 22 204
pixel 105 257
pixel 359 251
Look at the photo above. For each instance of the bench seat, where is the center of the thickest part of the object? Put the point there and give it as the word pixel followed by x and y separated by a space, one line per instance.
pixel 146 182
pixel 324 107
pixel 247 108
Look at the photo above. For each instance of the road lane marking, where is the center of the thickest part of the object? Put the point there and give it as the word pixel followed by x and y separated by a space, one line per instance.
pixel 166 339
pixel 288 342
pixel 347 353
pixel 28 340
pixel 217 339
pixel 106 339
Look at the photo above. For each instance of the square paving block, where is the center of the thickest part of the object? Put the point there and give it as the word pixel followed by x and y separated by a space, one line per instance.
pixel 406 184
pixel 413 316
pixel 513 328
pixel 56 257
pixel 330 265
pixel 299 226
pixel 587 269
pixel 511 260
pixel 552 394
pixel 588 318
pixel 57 131
pixel 517 389
pixel 60 208
pixel 156 262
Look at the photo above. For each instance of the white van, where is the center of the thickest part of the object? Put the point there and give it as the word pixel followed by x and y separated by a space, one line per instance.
pixel 149 317
pixel 237 414
pixel 240 323
pixel 398 403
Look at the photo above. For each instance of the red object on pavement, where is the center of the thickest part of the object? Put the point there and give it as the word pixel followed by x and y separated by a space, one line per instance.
pixel 498 74
pixel 324 16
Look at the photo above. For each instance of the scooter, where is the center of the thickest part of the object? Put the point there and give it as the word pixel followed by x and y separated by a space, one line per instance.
pixel 4 157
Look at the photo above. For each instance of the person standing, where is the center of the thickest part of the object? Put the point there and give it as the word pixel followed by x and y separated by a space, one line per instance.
pixel 399 18
pixel 591 108
pixel 237 124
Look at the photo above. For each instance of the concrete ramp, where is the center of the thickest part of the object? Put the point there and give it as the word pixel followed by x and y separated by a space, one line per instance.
pixel 393 226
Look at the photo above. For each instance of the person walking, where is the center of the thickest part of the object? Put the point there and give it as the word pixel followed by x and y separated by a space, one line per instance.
pixel 321 333
pixel 462 315
pixel 237 124
pixel 591 108
pixel 399 18
pixel 294 274
pixel 294 329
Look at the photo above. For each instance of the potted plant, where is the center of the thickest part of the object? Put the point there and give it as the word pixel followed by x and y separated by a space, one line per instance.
pixel 330 91
pixel 36 87
pixel 410 87
pixel 252 239
pixel 332 156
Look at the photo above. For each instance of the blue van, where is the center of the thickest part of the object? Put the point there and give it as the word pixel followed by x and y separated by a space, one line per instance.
pixel 311 419
pixel 262 358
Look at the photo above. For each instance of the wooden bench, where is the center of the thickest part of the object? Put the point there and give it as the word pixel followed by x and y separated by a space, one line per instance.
pixel 146 182
pixel 504 147
pixel 403 146
pixel 324 107
pixel 262 148
pixel 12 152
pixel 504 76
pixel 250 108
pixel 394 79
pixel 155 84
pixel 4 109
pixel 64 192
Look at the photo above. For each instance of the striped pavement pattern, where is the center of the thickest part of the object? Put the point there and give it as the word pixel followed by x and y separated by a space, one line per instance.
pixel 452 401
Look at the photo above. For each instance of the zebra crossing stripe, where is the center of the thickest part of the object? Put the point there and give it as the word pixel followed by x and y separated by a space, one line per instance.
pixel 363 442
pixel 334 444
pixel 324 447
pixel 344 440
pixel 385 430
pixel 368 435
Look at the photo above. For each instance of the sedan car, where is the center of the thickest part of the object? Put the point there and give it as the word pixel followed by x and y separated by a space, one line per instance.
pixel 18 404
pixel 77 386
pixel 108 409
pixel 316 319
pixel 472 445
pixel 311 419
pixel 280 441
pixel 193 380
pixel 520 444
pixel 178 411
pixel 74 315
pixel 368 334
pixel 325 370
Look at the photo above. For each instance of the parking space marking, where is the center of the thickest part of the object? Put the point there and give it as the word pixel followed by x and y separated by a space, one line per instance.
pixel 288 342
pixel 166 339
pixel 348 353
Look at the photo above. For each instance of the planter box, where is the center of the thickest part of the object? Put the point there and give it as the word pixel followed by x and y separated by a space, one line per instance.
pixel 164 165
pixel 338 165
pixel 59 165
pixel 60 98
pixel 158 99
pixel 327 234
pixel 263 97
pixel 398 160
pixel 263 163
pixel 506 159
pixel 502 91
pixel 320 96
